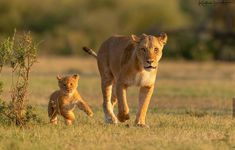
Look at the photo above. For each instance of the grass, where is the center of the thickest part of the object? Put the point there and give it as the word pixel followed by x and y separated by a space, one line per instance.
pixel 191 109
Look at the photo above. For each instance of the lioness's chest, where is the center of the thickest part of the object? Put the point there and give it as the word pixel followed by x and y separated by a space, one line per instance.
pixel 143 78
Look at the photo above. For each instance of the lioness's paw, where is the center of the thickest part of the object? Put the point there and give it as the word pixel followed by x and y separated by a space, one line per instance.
pixel 123 117
pixel 111 121
pixel 142 125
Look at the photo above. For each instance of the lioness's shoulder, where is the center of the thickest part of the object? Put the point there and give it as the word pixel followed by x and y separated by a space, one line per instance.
pixel 127 53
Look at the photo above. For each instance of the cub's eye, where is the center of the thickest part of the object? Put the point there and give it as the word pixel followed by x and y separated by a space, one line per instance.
pixel 64 85
pixel 143 49
pixel 71 84
pixel 155 50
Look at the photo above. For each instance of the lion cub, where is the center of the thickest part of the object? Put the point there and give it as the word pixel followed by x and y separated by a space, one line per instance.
pixel 63 101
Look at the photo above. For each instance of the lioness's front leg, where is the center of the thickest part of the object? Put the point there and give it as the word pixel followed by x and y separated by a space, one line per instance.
pixel 123 109
pixel 144 99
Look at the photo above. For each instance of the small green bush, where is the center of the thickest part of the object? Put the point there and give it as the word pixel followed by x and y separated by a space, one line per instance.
pixel 20 52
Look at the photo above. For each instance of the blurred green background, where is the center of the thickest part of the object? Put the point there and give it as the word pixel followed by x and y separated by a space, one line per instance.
pixel 63 26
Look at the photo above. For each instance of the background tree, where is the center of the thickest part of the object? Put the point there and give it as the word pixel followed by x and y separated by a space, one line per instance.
pixel 196 32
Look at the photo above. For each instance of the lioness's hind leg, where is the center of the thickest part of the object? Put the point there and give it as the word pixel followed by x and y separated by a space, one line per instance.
pixel 107 106
pixel 106 85
pixel 114 95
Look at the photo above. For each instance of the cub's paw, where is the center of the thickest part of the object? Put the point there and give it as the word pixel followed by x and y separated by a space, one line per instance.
pixel 123 117
pixel 91 114
pixel 53 121
pixel 68 122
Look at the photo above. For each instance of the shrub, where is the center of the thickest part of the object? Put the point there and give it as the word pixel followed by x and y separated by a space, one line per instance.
pixel 20 52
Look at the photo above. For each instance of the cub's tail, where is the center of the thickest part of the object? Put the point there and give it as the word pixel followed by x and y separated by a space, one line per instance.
pixel 90 51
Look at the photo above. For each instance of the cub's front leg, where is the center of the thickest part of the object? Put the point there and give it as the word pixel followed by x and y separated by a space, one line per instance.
pixel 144 99
pixel 123 109
pixel 52 112
pixel 85 107
pixel 69 117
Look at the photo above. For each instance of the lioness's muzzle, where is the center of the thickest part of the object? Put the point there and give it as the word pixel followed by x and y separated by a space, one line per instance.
pixel 150 67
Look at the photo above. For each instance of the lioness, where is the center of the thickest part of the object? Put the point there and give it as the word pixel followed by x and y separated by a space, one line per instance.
pixel 124 61
pixel 64 101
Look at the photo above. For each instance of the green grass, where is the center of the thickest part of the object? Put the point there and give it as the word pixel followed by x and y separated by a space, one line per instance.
pixel 167 131
pixel 191 109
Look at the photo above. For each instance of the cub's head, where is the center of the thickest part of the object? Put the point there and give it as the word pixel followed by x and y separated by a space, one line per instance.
pixel 68 84
pixel 149 49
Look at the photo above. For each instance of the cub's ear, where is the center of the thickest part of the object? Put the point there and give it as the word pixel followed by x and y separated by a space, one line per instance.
pixel 76 76
pixel 59 77
pixel 163 38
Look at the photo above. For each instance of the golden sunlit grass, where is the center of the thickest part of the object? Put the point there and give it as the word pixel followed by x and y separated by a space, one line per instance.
pixel 190 109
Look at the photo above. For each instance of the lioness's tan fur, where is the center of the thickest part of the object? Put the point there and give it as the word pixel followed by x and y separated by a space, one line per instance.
pixel 64 101
pixel 124 61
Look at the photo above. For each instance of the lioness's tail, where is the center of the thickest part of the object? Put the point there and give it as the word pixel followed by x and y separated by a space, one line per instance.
pixel 90 51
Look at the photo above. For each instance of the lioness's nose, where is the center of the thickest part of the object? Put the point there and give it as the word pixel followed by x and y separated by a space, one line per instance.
pixel 150 61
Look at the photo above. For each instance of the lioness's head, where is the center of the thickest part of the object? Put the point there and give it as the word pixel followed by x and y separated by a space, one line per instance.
pixel 149 49
pixel 68 84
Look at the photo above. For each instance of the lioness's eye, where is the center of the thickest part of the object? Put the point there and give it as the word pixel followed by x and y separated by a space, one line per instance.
pixel 71 83
pixel 143 49
pixel 155 50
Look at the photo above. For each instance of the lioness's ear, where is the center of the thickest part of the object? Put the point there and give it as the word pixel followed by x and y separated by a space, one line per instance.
pixel 163 38
pixel 135 38
pixel 138 39
pixel 143 34
pixel 59 77
pixel 76 76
